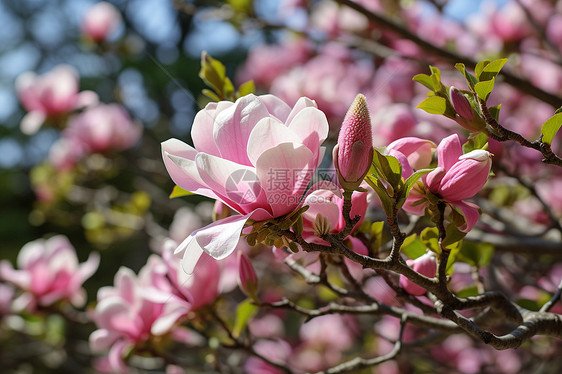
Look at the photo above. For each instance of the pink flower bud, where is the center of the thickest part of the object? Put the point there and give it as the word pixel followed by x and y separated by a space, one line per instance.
pixel 247 279
pixel 354 152
pixel 425 265
pixel 466 177
pixel 460 104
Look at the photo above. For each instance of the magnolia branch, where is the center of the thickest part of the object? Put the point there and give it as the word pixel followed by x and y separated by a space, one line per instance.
pixel 521 84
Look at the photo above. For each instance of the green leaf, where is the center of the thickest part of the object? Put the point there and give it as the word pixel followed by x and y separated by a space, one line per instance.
pixel 495 111
pixel 528 304
pixel 425 80
pixel 210 94
pixel 409 184
pixel 246 89
pixel 228 89
pixel 244 312
pixel 468 291
pixel 476 254
pixel 471 79
pixel 413 247
pixel 387 202
pixel 475 141
pixel 483 89
pixel 388 169
pixel 436 78
pixel 452 236
pixel 480 67
pixel 376 234
pixel 434 105
pixel 179 192
pixel 551 127
pixel 491 70
pixel 212 72
pixel 430 238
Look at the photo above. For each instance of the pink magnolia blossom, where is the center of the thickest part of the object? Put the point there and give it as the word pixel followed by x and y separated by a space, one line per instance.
pixel 103 128
pixel 417 151
pixel 354 152
pixel 457 177
pixel 136 309
pixel 425 265
pixel 49 272
pixel 101 21
pixel 50 95
pixel 326 199
pixel 258 161
pixel 6 299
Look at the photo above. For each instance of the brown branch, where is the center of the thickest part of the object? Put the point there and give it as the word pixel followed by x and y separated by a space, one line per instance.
pixel 521 84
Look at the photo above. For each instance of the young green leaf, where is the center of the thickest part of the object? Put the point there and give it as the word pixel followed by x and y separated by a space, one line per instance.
pixel 480 67
pixel 413 247
pixel 179 192
pixel 491 70
pixel 425 80
pixel 244 312
pixel 476 254
pixel 483 89
pixel 551 127
pixel 246 89
pixel 434 105
pixel 475 141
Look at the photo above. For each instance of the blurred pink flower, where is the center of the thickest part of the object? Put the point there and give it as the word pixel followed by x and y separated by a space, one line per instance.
pixel 391 123
pixel 49 272
pixel 247 279
pixel 105 127
pixel 259 161
pixel 263 65
pixel 425 265
pixel 50 95
pixel 275 350
pixel 6 299
pixel 101 21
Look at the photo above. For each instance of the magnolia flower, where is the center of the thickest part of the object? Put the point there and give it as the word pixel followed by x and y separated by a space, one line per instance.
pixel 325 199
pixel 256 155
pixel 100 21
pixel 49 272
pixel 425 265
pixel 457 177
pixel 102 128
pixel 136 309
pixel 354 152
pixel 50 95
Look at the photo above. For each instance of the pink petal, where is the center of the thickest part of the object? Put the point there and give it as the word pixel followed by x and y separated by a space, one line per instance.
pixel 233 127
pixel 311 126
pixel 276 106
pixel 179 159
pixel 31 122
pixel 203 125
pixel 268 133
pixel 406 168
pixel 322 202
pixel 235 184
pixel 19 278
pixel 448 151
pixel 284 172
pixel 87 98
pixel 115 357
pixel 102 339
pixel 471 213
pixel 303 102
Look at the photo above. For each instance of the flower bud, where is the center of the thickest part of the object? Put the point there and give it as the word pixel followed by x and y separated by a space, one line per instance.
pixel 247 279
pixel 101 21
pixel 425 265
pixel 322 225
pixel 467 176
pixel 354 152
pixel 460 104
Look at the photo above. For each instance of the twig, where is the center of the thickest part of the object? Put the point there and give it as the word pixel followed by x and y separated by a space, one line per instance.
pixel 550 303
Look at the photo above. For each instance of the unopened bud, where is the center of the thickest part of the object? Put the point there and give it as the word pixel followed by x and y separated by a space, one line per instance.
pixel 354 152
pixel 460 104
pixel 247 279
